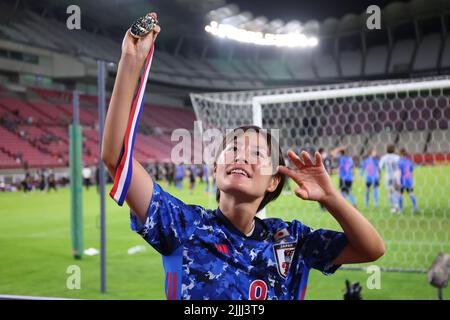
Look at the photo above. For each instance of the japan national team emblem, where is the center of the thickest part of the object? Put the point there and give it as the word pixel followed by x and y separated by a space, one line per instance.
pixel 284 253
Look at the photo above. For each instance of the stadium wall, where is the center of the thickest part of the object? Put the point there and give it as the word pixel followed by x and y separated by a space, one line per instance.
pixel 50 63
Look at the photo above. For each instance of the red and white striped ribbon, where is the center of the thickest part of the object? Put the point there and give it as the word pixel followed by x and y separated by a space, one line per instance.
pixel 124 170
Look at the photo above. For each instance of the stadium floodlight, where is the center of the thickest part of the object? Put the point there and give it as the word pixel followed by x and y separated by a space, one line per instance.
pixel 289 40
pixel 238 20
pixel 228 22
pixel 256 24
pixel 293 26
pixel 223 12
pixel 275 25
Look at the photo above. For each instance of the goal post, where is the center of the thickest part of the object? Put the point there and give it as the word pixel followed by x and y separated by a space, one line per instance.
pixel 257 101
pixel 413 114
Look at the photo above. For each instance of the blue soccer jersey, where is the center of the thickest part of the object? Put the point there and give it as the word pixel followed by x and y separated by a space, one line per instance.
pixel 371 169
pixel 205 172
pixel 179 171
pixel 206 257
pixel 346 168
pixel 406 167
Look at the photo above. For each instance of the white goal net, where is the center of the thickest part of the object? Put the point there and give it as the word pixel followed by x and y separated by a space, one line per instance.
pixel 411 114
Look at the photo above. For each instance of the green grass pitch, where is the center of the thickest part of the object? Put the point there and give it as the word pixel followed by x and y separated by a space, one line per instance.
pixel 35 247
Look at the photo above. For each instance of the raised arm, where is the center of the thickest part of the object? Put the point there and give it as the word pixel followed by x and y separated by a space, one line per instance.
pixel 134 53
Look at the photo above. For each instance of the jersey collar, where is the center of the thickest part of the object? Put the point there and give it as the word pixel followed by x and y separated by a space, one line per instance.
pixel 260 232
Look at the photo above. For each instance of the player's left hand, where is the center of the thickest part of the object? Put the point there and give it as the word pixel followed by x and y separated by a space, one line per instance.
pixel 312 179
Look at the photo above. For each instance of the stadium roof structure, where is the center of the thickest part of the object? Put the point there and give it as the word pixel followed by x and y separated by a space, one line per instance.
pixel 112 16
pixel 187 17
pixel 413 39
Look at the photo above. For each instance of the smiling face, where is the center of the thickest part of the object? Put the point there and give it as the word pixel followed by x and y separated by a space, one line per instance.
pixel 244 168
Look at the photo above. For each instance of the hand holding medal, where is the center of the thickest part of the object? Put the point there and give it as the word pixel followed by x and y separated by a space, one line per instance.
pixel 139 38
pixel 144 25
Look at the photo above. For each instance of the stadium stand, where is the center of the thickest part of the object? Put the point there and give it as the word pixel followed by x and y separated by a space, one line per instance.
pixel 376 60
pixel 439 141
pixel 351 63
pixel 326 66
pixel 276 69
pixel 6 161
pixel 445 62
pixel 413 141
pixel 401 56
pixel 429 52
pixel 21 148
pixel 197 75
pixel 25 111
pixel 43 114
pixel 355 144
pixel 35 132
pixel 300 66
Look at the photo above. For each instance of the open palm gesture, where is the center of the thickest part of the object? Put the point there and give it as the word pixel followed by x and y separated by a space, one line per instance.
pixel 312 179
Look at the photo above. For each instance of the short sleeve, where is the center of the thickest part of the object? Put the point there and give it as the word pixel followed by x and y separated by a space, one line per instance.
pixel 169 221
pixel 320 247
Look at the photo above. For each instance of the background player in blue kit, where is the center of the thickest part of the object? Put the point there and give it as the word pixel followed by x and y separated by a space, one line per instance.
pixel 205 176
pixel 179 175
pixel 406 167
pixel 345 173
pixel 370 168
pixel 229 253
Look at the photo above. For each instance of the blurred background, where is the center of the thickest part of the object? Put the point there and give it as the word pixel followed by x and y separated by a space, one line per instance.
pixel 211 58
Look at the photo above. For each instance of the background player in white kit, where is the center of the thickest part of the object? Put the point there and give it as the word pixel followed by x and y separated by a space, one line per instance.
pixel 389 164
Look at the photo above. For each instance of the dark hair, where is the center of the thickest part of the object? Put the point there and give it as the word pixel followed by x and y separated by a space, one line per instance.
pixel 403 152
pixel 390 148
pixel 321 150
pixel 271 142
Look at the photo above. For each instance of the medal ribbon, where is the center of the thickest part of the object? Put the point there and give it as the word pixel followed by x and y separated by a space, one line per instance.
pixel 124 170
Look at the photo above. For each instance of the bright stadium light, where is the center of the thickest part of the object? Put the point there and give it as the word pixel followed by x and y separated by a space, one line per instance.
pixel 313 41
pixel 289 40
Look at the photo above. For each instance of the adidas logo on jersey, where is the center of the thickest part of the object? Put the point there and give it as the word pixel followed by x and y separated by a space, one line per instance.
pixel 222 248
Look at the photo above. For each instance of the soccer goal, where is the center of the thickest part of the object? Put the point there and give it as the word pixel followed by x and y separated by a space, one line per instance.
pixel 360 116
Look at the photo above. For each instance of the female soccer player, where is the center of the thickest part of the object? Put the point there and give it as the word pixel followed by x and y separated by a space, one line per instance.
pixel 370 168
pixel 406 167
pixel 345 173
pixel 229 253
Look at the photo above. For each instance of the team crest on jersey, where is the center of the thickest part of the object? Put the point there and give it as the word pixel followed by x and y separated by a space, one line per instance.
pixel 284 253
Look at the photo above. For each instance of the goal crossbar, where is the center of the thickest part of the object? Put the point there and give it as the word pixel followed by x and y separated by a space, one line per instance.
pixel 345 92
